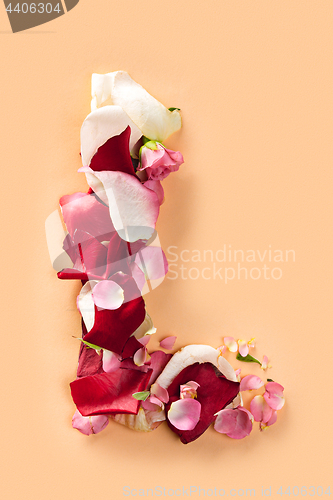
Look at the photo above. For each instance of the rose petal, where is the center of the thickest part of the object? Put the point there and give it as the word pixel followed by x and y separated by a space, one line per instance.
pixel 112 329
pixel 145 329
pixel 243 348
pixel 85 304
pixel 114 155
pixel 161 393
pixel 89 425
pixel 250 382
pixel 133 207
pixel 84 212
pixel 108 295
pixel 90 363
pixel 231 344
pixel 141 356
pixel 168 342
pixel 154 120
pixel 215 392
pixel 234 423
pixel 157 187
pixel 260 410
pixel 111 361
pixel 274 395
pixel 184 414
pixel 101 125
pixel 158 361
pixel 273 418
pixel 152 262
pixel 109 392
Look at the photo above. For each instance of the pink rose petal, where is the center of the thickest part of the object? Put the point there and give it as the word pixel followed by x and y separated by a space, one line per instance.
pixel 274 395
pixel 235 423
pixel 231 344
pixel 184 414
pixel 260 410
pixel 156 186
pixel 273 418
pixel 133 207
pixel 89 425
pixel 243 348
pixel 152 262
pixel 168 342
pixel 250 382
pixel 108 295
pixel 161 393
pixel 111 361
pixel 141 356
pixel 144 340
pixel 189 390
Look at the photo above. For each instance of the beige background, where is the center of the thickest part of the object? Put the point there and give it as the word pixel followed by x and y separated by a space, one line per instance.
pixel 254 81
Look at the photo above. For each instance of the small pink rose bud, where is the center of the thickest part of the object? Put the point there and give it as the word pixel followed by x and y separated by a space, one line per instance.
pixel 159 162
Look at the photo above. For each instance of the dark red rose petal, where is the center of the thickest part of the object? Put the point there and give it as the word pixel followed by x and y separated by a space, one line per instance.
pixel 107 393
pixel 130 348
pixel 114 155
pixel 112 328
pixel 90 363
pixel 215 392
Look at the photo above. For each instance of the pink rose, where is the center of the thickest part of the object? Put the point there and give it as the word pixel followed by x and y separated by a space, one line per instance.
pixel 158 161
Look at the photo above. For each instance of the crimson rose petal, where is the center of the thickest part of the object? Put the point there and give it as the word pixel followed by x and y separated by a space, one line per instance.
pixel 114 155
pixel 214 394
pixel 107 393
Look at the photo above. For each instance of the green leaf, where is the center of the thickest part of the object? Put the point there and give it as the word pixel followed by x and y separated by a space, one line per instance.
pixel 141 396
pixel 88 344
pixel 247 359
pixel 174 109
pixel 270 380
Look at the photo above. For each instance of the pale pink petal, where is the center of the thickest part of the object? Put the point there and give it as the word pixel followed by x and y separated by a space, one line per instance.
pixel 231 344
pixel 141 356
pixel 168 342
pixel 189 390
pixel 111 361
pixel 237 373
pixel 251 343
pixel 152 404
pixel 133 207
pixel 235 423
pixel 138 276
pixel 274 395
pixel 152 262
pixel 222 349
pixel 156 401
pixel 108 295
pixel 265 364
pixel 89 425
pixel 250 382
pixel 243 348
pixel 156 186
pixel 144 340
pixel 161 393
pixel 273 418
pixel 184 414
pixel 260 409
